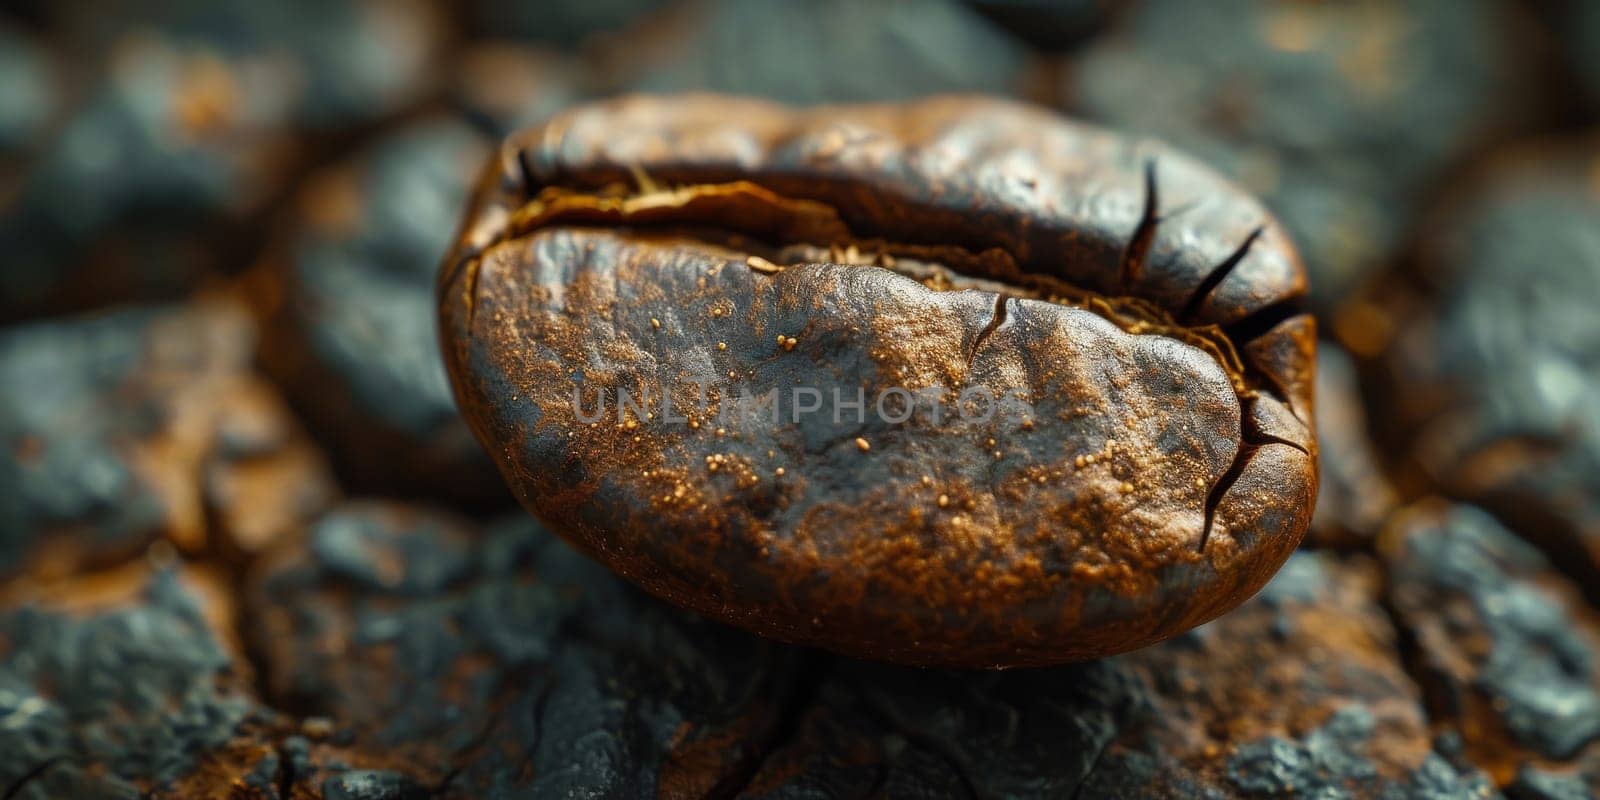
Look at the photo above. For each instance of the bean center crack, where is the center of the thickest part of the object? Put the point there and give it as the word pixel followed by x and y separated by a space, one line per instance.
pixel 779 231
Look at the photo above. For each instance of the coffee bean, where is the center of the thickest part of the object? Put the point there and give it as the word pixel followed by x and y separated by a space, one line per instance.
pixel 1146 464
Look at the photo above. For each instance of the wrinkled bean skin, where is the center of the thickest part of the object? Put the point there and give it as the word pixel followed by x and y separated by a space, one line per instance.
pixel 1159 470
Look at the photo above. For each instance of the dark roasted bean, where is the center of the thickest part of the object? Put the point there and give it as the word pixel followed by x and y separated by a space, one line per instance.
pixel 1153 469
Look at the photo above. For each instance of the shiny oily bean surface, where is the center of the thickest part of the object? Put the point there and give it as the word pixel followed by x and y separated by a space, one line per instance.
pixel 1147 464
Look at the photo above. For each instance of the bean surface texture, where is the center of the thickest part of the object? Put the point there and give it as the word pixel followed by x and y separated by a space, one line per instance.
pixel 953 382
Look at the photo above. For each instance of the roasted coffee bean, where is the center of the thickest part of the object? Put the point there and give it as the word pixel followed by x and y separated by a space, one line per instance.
pixel 1509 650
pixel 353 341
pixel 1341 117
pixel 1145 462
pixel 1494 389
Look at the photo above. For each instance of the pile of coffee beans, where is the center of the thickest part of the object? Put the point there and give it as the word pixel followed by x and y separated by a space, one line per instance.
pixel 300 301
